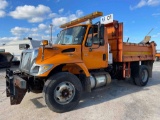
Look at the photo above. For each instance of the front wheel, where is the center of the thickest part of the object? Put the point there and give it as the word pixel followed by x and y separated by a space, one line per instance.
pixel 141 78
pixel 62 92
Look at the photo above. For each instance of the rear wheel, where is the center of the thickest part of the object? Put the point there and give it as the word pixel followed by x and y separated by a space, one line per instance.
pixel 141 78
pixel 62 92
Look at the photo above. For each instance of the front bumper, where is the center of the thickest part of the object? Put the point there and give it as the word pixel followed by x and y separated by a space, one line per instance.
pixel 16 87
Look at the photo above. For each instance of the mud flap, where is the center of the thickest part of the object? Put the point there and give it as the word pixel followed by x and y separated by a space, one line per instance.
pixel 16 87
pixel 87 84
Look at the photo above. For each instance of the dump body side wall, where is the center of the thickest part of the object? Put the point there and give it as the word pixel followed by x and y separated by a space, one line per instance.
pixel 138 52
pixel 127 52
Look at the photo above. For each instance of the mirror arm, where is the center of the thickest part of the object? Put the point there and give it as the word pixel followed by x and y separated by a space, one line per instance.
pixel 99 25
pixel 42 53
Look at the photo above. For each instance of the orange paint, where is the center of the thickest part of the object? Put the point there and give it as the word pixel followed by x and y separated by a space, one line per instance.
pixel 83 58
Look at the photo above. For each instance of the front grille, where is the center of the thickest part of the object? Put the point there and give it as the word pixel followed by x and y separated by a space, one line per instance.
pixel 26 61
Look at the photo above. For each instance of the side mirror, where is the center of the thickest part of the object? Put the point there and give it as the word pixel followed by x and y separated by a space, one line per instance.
pixel 24 46
pixel 101 42
pixel 101 34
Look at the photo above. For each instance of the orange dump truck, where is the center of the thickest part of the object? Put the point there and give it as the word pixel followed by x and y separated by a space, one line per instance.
pixel 84 57
pixel 157 55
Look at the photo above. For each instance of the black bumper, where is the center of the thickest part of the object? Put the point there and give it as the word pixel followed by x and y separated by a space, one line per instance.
pixel 16 87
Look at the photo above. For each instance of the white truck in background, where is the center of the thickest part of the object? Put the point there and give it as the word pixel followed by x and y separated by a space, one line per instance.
pixel 13 47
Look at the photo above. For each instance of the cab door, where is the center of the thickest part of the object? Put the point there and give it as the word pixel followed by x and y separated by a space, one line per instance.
pixel 95 56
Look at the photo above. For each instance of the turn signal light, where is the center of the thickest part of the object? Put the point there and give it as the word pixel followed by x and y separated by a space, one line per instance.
pixel 44 42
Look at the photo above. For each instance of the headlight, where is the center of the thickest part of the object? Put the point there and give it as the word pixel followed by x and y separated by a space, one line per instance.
pixel 40 69
pixel 45 68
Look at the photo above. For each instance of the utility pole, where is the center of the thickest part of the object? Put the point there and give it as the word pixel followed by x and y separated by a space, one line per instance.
pixel 51 32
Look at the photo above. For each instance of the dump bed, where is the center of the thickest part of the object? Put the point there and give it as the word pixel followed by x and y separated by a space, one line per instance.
pixel 125 51
pixel 157 53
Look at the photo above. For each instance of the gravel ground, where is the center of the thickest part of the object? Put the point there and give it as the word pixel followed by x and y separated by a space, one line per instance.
pixel 121 100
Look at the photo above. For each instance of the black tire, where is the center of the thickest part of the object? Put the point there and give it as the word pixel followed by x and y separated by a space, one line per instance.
pixel 134 71
pixel 141 78
pixel 62 92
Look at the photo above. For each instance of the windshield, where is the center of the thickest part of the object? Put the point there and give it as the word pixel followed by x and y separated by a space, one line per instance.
pixel 72 35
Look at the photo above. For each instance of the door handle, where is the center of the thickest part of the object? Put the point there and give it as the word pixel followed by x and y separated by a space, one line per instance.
pixel 90 49
pixel 104 57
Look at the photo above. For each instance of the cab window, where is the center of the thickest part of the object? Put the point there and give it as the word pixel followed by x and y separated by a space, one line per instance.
pixel 93 35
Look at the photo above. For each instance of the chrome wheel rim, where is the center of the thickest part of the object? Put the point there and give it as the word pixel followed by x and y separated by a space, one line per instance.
pixel 64 92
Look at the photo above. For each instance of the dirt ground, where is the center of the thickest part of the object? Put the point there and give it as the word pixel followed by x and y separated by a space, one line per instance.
pixel 121 100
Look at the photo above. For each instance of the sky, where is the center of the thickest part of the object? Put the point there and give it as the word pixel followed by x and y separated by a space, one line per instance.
pixel 20 19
